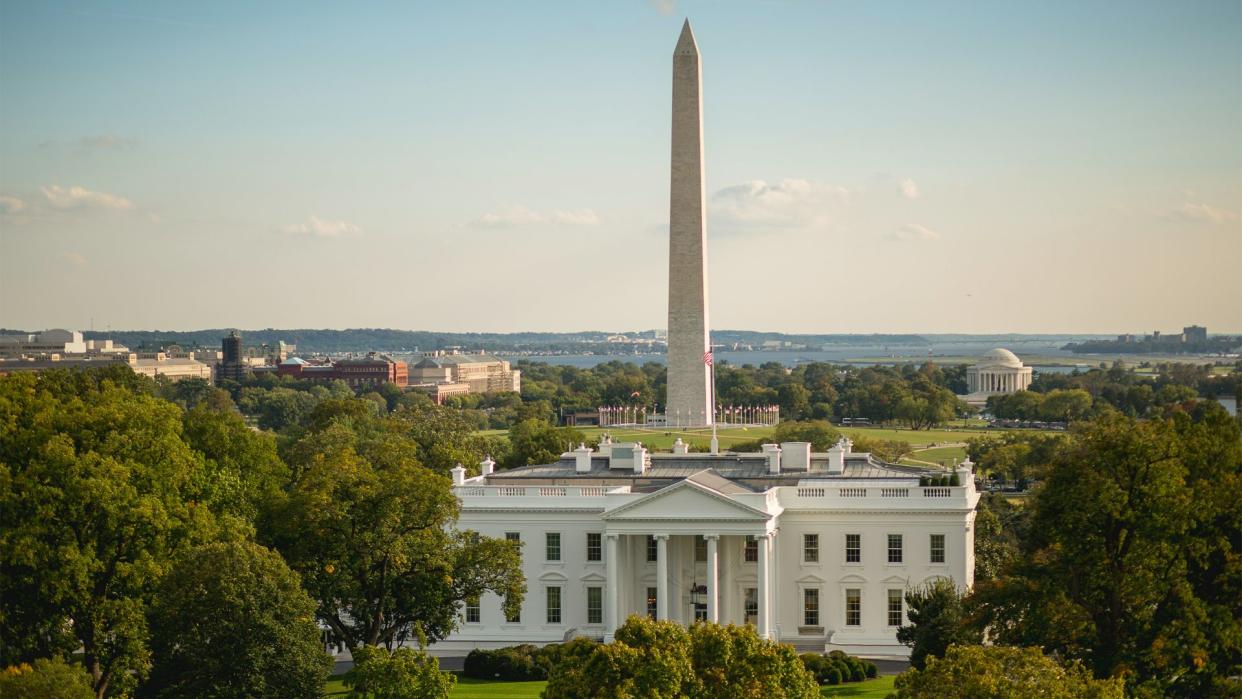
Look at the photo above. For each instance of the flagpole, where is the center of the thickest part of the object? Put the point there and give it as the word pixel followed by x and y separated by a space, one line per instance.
pixel 715 442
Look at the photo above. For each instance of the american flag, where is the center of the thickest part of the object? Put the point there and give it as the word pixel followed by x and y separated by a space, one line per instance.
pixel 707 358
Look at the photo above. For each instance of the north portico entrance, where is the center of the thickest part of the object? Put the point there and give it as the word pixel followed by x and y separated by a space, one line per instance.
pixel 700 548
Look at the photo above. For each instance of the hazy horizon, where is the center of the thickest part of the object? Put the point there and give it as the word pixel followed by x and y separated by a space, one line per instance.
pixel 489 167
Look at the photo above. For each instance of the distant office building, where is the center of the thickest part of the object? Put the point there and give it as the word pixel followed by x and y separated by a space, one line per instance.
pixel 56 341
pixel 481 373
pixel 371 370
pixel 1194 333
pixel 233 365
pixel 155 364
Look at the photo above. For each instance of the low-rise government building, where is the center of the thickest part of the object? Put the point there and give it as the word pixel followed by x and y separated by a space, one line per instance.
pixel 813 549
pixel 442 374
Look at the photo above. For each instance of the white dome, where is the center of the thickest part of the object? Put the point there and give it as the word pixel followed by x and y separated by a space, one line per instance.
pixel 1002 357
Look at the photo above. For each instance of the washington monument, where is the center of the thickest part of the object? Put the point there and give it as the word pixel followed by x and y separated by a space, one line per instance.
pixel 689 375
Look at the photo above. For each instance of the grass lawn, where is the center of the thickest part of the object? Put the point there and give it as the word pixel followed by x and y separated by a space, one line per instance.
pixel 466 688
pixel 930 445
pixel 868 689
pixel 486 689
pixel 936 455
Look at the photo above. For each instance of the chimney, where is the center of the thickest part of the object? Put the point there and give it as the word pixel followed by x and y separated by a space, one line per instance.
pixel 605 445
pixel 680 447
pixel 582 459
pixel 796 456
pixel 459 474
pixel 836 457
pixel 773 454
pixel 486 466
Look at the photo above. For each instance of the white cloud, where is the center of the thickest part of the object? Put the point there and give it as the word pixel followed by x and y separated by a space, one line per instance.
pixel 82 198
pixel 913 232
pixel 664 7
pixel 579 217
pixel 1197 211
pixel 909 189
pixel 516 216
pixel 320 228
pixel 75 259
pixel 791 203
pixel 11 205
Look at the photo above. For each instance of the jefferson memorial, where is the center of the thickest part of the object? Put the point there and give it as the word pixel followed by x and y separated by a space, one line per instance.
pixel 997 372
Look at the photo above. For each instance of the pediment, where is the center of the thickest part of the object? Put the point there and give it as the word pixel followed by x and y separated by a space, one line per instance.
pixel 553 576
pixel 852 578
pixel 593 577
pixel 686 501
pixel 810 580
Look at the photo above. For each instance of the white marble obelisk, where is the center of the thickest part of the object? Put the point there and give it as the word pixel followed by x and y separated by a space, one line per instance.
pixel 689 376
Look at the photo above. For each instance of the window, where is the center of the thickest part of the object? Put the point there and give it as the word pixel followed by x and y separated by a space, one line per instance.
pixel 895 611
pixel 653 549
pixel 513 536
pixel 651 601
pixel 853 607
pixel 752 549
pixel 894 548
pixel 810 550
pixel 700 550
pixel 937 548
pixel 554 546
pixel 595 546
pixel 853 548
pixel 751 606
pixel 595 605
pixel 554 605
pixel 810 606
pixel 472 610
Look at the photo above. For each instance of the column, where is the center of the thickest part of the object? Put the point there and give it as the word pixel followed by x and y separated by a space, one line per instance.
pixel 713 584
pixel 612 609
pixel 765 612
pixel 661 577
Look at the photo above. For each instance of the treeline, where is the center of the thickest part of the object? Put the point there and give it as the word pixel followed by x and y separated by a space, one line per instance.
pixel 1077 395
pixel 918 396
pixel 1219 344
pixel 1125 560
pixel 186 554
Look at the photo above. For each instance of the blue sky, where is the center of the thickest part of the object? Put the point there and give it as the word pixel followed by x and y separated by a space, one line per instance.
pixel 872 167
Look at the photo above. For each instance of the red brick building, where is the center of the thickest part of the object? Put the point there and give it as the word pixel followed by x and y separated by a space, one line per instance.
pixel 371 370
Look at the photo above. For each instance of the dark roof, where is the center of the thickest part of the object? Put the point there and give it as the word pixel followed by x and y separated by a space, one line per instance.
pixel 728 467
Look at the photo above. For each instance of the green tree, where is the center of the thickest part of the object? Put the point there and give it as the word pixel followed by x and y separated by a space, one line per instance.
pixel 937 620
pixel 538 442
pixel 97 494
pixel 231 619
pixel 820 433
pixel 45 679
pixel 663 659
pixel 1001 672
pixel 1065 405
pixel 403 673
pixel 371 532
pixel 1131 562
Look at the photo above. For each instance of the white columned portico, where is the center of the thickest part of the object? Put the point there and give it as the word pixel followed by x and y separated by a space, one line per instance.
pixel 713 584
pixel 661 576
pixel 612 610
pixel 764 590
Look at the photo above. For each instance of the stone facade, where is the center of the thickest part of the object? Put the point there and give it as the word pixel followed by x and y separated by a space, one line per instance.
pixel 689 377
pixel 813 549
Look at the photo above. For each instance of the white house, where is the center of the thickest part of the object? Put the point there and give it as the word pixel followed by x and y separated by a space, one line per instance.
pixel 814 549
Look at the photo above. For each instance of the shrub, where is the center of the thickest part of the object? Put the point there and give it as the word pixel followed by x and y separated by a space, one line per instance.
pixel 46 679
pixel 872 670
pixel 955 480
pixel 404 673
pixel 924 481
pixel 663 659
pixel 512 664
pixel 844 668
